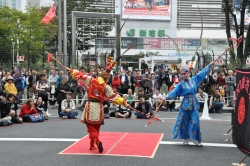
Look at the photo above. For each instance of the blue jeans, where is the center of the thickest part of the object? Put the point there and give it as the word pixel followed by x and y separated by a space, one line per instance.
pixel 69 115
pixel 140 115
pixel 218 105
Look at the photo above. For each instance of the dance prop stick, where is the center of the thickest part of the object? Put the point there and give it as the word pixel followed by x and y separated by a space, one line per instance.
pixel 153 116
pixel 238 41
pixel 51 56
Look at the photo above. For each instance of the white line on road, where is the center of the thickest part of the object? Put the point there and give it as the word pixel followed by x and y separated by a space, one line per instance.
pixel 204 144
pixel 75 139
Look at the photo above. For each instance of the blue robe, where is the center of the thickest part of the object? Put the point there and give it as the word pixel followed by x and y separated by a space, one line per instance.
pixel 187 125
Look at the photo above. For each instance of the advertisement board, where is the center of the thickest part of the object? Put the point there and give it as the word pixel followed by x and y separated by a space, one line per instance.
pixel 146 9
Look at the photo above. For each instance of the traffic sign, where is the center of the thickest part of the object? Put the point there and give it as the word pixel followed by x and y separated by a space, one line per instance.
pixel 92 63
pixel 219 62
pixel 20 58
pixel 247 61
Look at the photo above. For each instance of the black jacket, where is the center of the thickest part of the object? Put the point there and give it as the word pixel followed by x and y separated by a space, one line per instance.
pixel 126 79
pixel 161 79
pixel 60 95
pixel 3 109
pixel 30 80
pixel 147 106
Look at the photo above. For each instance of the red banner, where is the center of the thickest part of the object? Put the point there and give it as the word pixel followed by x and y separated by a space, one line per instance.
pixel 50 14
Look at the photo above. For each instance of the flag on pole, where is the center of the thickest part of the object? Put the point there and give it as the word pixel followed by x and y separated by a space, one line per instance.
pixel 49 57
pixel 50 14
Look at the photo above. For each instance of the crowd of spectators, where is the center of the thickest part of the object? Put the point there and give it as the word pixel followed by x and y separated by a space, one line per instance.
pixel 142 89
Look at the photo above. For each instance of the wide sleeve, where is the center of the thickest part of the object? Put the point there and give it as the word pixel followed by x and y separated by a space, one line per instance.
pixel 113 97
pixel 174 93
pixel 200 76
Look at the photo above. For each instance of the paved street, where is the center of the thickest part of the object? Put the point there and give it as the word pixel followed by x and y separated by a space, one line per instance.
pixel 39 143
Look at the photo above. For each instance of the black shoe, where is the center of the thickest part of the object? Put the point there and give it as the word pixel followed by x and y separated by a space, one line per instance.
pixel 100 148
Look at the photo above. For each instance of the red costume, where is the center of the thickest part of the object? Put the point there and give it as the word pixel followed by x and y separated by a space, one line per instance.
pixel 115 83
pixel 97 90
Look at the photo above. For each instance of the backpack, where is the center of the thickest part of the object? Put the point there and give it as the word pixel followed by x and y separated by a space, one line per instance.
pixel 5 123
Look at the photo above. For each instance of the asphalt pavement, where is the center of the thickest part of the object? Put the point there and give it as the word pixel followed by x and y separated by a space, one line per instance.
pixel 25 144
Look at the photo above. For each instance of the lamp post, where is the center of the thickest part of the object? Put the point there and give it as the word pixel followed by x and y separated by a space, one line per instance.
pixel 13 54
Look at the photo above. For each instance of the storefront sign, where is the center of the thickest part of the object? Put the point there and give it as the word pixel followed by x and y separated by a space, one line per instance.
pixel 144 32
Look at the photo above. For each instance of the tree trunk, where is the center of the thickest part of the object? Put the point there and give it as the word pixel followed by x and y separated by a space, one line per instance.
pixel 227 10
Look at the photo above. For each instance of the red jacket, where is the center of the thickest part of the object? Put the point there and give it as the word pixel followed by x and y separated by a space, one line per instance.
pixel 25 110
pixel 222 81
pixel 116 82
pixel 176 80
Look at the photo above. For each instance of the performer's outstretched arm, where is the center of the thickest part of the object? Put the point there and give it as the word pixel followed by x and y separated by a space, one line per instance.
pixel 201 76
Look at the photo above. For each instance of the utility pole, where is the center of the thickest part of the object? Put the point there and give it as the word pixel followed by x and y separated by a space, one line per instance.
pixel 65 39
pixel 60 31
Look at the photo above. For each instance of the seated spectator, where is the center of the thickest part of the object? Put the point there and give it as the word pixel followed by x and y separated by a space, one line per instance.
pixel 42 89
pixel 68 107
pixel 40 107
pixel 144 107
pixel 217 101
pixel 142 93
pixel 131 98
pixel 27 109
pixel 10 87
pixel 12 107
pixel 106 105
pixel 122 111
pixel 201 96
pixel 4 113
pixel 157 99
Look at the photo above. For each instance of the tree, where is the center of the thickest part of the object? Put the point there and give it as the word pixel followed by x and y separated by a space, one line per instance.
pixel 26 28
pixel 240 29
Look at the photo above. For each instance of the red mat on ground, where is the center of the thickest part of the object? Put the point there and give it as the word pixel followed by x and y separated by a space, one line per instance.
pixel 119 144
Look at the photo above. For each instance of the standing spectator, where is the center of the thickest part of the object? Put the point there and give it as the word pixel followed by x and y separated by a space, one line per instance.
pixel 27 109
pixel 144 66
pixel 138 81
pixel 144 107
pixel 116 82
pixel 163 82
pixel 131 98
pixel 52 83
pixel 155 67
pixel 176 79
pixel 153 85
pixel 224 69
pixel 62 89
pixel 32 83
pixel 124 83
pixel 131 81
pixel 222 82
pixel 125 66
pixel 18 79
pixel 207 83
pixel 230 88
pixel 43 88
pixel 146 82
pixel 68 107
pixel 165 66
pixel 216 101
pixel 170 76
pixel 59 78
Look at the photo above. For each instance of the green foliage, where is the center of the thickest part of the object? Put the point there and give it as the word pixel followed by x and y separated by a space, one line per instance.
pixel 28 30
pixel 193 58
pixel 179 60
pixel 135 58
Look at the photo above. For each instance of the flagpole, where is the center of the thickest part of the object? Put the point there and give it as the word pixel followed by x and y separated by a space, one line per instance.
pixel 60 31
pixel 65 39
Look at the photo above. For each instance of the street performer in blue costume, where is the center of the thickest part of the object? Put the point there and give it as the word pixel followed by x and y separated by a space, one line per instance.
pixel 187 125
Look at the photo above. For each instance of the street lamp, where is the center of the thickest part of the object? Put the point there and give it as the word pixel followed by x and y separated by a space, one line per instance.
pixel 185 46
pixel 13 54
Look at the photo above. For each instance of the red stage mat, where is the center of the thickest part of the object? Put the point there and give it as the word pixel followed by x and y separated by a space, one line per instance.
pixel 119 144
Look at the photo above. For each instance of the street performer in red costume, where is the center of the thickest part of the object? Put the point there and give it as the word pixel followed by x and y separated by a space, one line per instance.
pixel 97 90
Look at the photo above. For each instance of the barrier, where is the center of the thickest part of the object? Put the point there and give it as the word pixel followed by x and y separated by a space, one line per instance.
pixel 205 114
